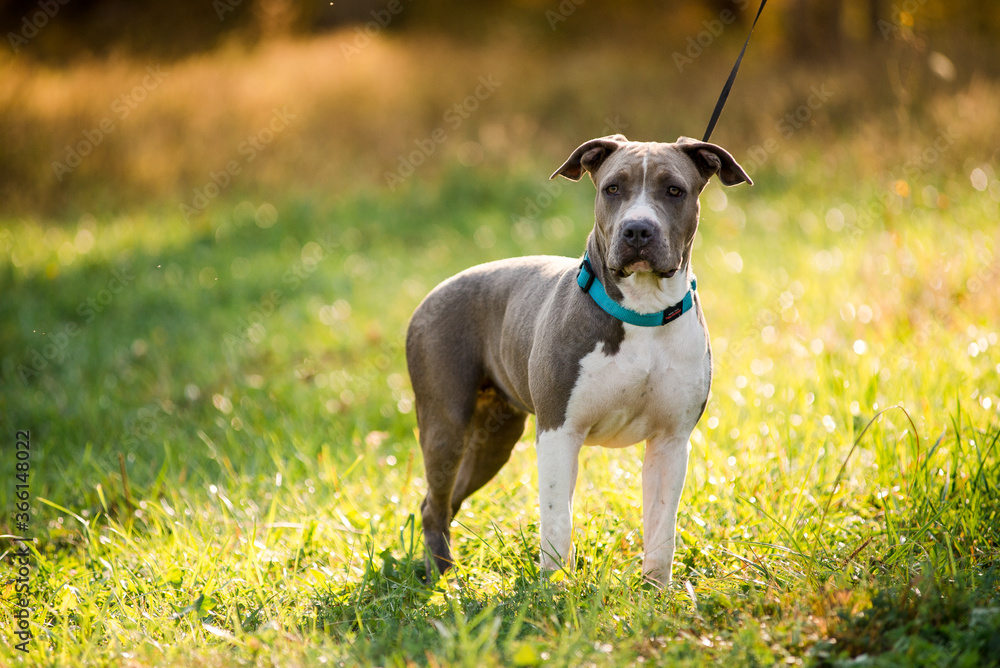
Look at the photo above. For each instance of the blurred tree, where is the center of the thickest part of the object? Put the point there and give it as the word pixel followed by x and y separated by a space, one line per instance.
pixel 876 11
pixel 276 18
pixel 738 7
pixel 814 29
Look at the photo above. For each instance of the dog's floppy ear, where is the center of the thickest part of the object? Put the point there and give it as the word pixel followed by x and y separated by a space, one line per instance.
pixel 589 156
pixel 711 159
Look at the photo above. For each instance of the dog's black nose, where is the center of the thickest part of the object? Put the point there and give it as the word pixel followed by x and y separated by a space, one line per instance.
pixel 638 232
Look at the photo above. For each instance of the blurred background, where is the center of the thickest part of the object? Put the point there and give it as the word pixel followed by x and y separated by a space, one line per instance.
pixel 107 104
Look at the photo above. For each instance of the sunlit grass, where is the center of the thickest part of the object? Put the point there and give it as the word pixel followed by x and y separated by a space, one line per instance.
pixel 251 378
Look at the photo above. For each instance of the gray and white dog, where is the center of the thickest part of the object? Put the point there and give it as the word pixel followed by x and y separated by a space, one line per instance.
pixel 609 351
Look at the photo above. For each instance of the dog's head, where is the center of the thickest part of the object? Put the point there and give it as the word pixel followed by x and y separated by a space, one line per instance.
pixel 647 198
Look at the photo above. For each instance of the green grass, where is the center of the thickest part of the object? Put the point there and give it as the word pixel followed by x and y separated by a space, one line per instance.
pixel 248 380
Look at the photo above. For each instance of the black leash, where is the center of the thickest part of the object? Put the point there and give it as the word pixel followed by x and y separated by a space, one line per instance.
pixel 732 77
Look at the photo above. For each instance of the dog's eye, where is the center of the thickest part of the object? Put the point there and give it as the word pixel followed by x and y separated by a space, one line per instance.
pixel 611 190
pixel 674 191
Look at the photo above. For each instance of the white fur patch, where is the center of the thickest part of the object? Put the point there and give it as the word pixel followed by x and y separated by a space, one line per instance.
pixel 647 293
pixel 642 206
pixel 653 387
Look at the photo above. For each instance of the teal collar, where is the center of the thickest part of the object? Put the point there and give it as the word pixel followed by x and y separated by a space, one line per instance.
pixel 589 283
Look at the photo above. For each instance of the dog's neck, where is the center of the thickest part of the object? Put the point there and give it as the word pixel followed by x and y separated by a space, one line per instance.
pixel 647 292
pixel 644 292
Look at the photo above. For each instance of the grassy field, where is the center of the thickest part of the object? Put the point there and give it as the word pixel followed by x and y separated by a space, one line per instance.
pixel 224 468
pixel 223 465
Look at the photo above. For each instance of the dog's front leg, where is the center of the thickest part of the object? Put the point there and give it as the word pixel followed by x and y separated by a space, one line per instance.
pixel 558 455
pixel 664 468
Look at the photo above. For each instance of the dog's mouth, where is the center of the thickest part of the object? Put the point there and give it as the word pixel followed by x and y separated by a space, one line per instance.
pixel 638 266
pixel 649 259
pixel 643 267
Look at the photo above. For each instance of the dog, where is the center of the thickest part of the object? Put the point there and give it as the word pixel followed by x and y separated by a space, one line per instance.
pixel 611 350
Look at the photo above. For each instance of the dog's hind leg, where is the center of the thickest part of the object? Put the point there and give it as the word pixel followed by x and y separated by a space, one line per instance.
pixel 496 426
pixel 444 388
pixel 442 443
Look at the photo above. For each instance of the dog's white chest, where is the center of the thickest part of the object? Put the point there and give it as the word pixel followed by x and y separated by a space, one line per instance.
pixel 655 384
